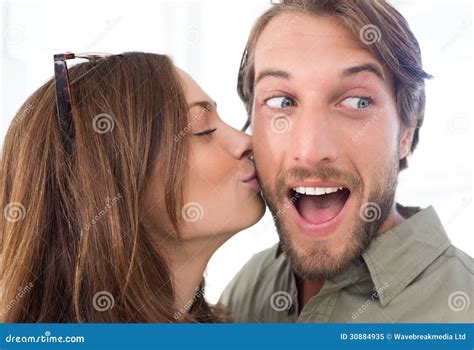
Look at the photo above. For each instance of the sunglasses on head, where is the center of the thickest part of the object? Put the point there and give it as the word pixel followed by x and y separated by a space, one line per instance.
pixel 63 91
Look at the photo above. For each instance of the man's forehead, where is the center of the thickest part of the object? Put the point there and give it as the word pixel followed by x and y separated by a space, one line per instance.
pixel 302 42
pixel 298 33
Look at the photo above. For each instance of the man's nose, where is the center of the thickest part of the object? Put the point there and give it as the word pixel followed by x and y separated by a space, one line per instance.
pixel 314 138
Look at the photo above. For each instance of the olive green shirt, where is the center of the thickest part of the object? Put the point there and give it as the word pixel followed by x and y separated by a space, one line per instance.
pixel 410 273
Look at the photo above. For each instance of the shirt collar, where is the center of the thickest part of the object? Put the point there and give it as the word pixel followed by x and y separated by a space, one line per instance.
pixel 399 255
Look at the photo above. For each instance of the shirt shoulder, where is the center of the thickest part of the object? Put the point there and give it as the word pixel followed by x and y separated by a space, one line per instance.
pixel 443 292
pixel 245 295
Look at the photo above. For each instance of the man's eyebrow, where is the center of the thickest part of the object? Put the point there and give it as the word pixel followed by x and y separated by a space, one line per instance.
pixel 272 73
pixel 204 104
pixel 366 67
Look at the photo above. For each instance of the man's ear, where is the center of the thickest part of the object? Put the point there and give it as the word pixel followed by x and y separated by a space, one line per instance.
pixel 405 141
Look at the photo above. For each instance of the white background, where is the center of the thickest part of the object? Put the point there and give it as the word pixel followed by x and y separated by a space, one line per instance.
pixel 206 38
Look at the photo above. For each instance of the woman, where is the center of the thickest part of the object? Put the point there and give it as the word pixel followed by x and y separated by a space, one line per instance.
pixel 112 214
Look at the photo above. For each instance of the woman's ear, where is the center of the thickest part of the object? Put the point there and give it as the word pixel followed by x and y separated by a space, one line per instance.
pixel 405 142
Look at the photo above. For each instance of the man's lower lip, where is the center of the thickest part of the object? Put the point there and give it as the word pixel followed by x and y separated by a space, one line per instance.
pixel 253 183
pixel 319 230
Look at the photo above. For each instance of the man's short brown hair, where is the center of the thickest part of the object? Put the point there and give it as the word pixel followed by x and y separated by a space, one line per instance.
pixel 387 36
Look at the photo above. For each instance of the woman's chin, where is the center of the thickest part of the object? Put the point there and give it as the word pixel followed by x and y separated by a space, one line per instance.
pixel 253 212
pixel 248 215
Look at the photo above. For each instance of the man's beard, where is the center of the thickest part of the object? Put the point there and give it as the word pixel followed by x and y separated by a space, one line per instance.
pixel 318 262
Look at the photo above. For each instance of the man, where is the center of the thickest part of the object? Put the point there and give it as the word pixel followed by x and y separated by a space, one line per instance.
pixel 335 96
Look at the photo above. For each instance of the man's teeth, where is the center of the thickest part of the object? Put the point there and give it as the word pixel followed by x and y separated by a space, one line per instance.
pixel 316 191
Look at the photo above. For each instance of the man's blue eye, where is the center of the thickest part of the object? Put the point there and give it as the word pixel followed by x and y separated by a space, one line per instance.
pixel 357 102
pixel 280 102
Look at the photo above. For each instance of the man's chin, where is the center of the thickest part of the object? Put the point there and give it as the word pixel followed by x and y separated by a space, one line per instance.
pixel 320 259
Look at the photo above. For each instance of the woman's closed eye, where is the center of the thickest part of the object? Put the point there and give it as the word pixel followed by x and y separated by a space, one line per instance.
pixel 205 132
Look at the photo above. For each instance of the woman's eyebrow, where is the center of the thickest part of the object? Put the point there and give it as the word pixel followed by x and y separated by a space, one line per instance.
pixel 366 67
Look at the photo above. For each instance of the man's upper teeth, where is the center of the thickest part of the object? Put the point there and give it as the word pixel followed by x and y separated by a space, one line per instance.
pixel 316 190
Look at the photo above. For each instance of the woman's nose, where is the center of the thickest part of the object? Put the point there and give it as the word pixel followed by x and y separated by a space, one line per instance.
pixel 241 145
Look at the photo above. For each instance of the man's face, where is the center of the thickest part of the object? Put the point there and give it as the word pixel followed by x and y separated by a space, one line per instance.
pixel 324 121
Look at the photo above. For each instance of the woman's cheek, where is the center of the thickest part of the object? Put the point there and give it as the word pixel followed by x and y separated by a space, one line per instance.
pixel 212 165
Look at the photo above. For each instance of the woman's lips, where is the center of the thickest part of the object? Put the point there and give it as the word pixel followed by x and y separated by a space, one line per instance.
pixel 252 181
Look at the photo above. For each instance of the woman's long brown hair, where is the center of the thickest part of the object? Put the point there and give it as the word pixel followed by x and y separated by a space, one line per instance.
pixel 73 247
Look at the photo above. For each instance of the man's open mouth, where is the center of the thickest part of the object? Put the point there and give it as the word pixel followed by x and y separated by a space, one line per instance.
pixel 319 204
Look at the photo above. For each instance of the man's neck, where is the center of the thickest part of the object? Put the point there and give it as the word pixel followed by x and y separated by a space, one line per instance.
pixel 308 289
